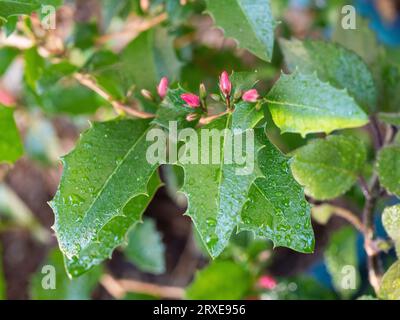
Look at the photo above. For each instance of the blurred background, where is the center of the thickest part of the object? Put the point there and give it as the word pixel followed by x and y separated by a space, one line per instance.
pixel 50 127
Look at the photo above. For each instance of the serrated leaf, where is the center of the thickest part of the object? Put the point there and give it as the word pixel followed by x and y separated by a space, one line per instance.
pixel 329 167
pixel 220 280
pixel 390 285
pixel 10 142
pixel 388 166
pixel 65 289
pixel 216 192
pixel 276 207
pixel 390 118
pixel 391 222
pixel 340 67
pixel 249 22
pixel 304 104
pixel 106 170
pixel 114 233
pixel 340 254
pixel 148 58
pixel 145 248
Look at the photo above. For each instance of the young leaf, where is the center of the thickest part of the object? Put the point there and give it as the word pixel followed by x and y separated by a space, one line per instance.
pixel 107 169
pixel 391 222
pixel 341 253
pixel 145 248
pixel 340 67
pixel 390 285
pixel 217 192
pixel 64 288
pixel 34 66
pixel 249 22
pixel 388 167
pixel 220 280
pixel 329 167
pixel 276 207
pixel 10 141
pixel 304 104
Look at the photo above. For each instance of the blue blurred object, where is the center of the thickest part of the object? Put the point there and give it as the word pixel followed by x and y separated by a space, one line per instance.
pixel 388 33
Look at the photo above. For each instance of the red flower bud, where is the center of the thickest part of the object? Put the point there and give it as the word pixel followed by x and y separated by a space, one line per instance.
pixel 250 95
pixel 267 282
pixel 225 84
pixel 191 99
pixel 162 87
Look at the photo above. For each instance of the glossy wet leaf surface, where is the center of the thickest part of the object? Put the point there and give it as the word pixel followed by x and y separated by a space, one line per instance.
pixel 249 22
pixel 304 104
pixel 65 288
pixel 329 167
pixel 333 63
pixel 106 170
pixel 276 207
pixel 216 192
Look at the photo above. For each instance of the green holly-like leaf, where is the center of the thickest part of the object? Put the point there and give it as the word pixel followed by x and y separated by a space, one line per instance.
pixel 114 233
pixel 148 58
pixel 173 108
pixel 333 63
pixel 220 280
pixel 7 56
pixel 329 167
pixel 390 118
pixel 10 142
pixel 217 192
pixel 64 288
pixel 304 104
pixel 391 222
pixel 341 253
pixel 388 167
pixel 276 207
pixel 107 170
pixel 390 285
pixel 145 248
pixel 249 22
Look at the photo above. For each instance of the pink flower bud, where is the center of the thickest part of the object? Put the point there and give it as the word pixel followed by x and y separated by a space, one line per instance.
pixel 191 99
pixel 267 282
pixel 250 95
pixel 162 87
pixel 6 98
pixel 225 84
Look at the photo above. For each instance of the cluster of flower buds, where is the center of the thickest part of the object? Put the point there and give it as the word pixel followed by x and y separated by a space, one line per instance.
pixel 225 86
pixel 195 101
